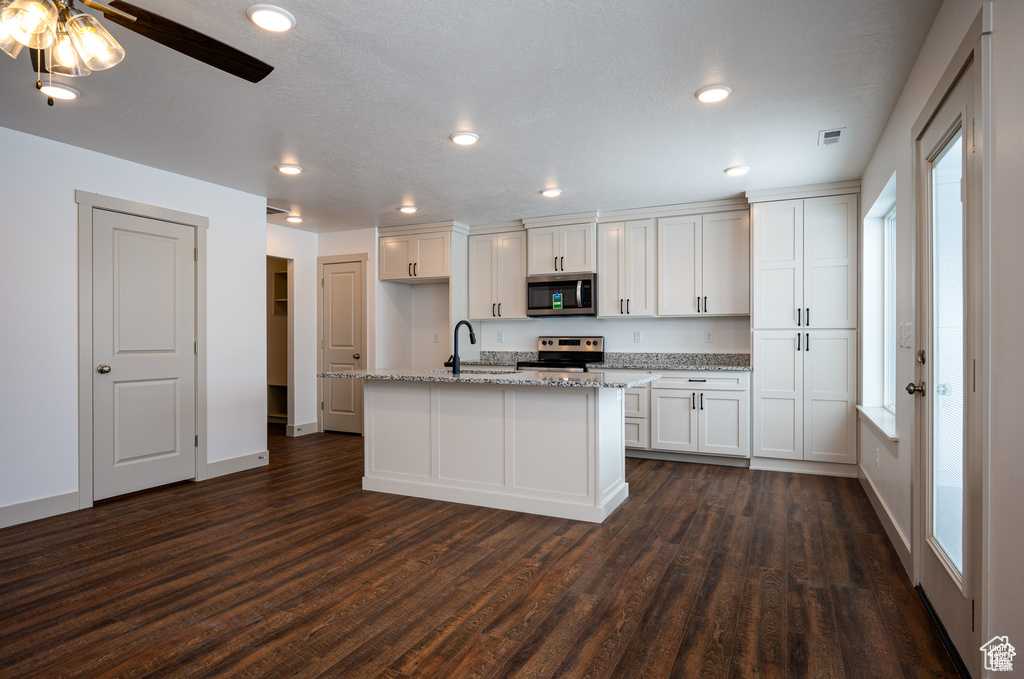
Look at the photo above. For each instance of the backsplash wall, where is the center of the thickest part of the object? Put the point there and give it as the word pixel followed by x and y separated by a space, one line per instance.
pixel 730 334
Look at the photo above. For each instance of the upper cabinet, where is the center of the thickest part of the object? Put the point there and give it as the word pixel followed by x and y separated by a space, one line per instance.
pixel 625 261
pixel 413 257
pixel 497 275
pixel 561 248
pixel 804 263
pixel 704 264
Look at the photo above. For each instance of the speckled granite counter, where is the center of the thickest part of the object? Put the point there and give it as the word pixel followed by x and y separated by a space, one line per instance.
pixel 527 378
pixel 628 360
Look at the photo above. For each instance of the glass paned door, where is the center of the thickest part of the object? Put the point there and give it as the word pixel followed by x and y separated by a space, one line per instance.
pixel 947 332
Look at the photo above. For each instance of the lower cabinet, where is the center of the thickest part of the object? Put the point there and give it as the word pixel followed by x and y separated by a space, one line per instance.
pixel 704 413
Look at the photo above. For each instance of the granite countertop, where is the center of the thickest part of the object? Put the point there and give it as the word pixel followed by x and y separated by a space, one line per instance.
pixel 512 377
pixel 628 360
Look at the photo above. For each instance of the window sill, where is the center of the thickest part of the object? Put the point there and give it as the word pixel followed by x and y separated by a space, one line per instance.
pixel 882 419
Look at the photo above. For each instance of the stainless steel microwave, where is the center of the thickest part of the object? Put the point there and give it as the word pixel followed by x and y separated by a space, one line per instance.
pixel 567 294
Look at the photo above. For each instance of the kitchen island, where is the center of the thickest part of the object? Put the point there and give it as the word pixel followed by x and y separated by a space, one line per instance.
pixel 542 443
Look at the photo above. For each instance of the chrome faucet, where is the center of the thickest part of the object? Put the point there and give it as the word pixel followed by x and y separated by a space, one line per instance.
pixel 455 345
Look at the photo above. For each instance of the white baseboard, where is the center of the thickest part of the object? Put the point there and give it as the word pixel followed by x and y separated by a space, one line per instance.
pixel 237 464
pixel 804 467
pixel 896 537
pixel 721 460
pixel 301 429
pixel 31 510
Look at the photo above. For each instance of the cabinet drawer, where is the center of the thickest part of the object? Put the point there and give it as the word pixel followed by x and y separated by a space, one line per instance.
pixel 738 381
pixel 636 432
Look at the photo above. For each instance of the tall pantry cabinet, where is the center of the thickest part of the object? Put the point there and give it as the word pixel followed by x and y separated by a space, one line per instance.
pixel 804 320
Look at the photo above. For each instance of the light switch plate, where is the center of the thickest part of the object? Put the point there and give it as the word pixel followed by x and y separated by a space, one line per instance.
pixel 908 335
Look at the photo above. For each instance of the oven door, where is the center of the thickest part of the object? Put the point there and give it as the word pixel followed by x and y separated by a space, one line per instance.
pixel 569 295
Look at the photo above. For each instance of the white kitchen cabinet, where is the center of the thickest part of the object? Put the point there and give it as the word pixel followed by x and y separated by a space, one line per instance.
pixel 701 412
pixel 411 257
pixel 497 275
pixel 567 248
pixel 804 394
pixel 804 263
pixel 625 253
pixel 704 264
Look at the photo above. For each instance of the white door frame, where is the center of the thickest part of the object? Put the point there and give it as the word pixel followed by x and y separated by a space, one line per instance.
pixel 370 355
pixel 86 202
pixel 975 49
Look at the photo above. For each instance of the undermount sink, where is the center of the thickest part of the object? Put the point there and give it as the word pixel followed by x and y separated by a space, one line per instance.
pixel 474 372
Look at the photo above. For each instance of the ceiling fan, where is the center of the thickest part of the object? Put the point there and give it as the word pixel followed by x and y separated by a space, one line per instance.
pixel 65 41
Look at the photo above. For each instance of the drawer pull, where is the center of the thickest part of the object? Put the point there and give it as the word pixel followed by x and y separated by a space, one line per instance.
pixel 693 380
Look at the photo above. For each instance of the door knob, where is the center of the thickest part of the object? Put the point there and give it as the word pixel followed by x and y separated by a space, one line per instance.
pixel 355 356
pixel 915 388
pixel 103 369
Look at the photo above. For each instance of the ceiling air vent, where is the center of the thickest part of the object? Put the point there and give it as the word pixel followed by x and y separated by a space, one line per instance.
pixel 274 210
pixel 830 137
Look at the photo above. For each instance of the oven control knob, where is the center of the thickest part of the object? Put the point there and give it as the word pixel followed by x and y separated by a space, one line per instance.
pixel 588 343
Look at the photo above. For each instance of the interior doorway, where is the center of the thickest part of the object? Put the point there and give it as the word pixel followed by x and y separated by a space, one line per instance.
pixel 343 344
pixel 279 388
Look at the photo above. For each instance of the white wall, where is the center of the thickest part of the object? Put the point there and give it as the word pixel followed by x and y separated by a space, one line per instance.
pixel 1005 595
pixel 39 280
pixel 301 248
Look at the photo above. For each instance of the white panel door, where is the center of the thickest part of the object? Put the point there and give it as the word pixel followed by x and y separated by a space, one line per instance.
pixel 639 267
pixel 396 257
pixel 433 255
pixel 725 263
pixel 511 275
pixel 777 394
pixel 830 395
pixel 674 420
pixel 724 423
pixel 679 265
pixel 343 345
pixel 611 269
pixel 144 389
pixel 576 248
pixel 543 250
pixel 483 277
pixel 830 262
pixel 777 263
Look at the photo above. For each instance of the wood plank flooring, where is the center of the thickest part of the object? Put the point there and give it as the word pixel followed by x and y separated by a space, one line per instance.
pixel 295 571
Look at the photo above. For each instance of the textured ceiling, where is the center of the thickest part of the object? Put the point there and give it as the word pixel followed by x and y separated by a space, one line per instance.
pixel 593 96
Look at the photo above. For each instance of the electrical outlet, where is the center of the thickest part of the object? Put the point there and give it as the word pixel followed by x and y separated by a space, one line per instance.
pixel 501 338
pixel 638 336
pixel 709 336
pixel 435 337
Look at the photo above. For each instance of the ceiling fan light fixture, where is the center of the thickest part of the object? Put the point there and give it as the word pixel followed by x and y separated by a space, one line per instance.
pixel 59 91
pixel 64 59
pixel 713 93
pixel 408 209
pixel 737 171
pixel 551 193
pixel 271 18
pixel 465 138
pixel 289 169
pixel 97 47
pixel 8 44
pixel 33 23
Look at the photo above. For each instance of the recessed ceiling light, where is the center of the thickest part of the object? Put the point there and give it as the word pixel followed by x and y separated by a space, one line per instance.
pixel 737 171
pixel 551 193
pixel 464 138
pixel 58 91
pixel 408 209
pixel 713 93
pixel 294 219
pixel 271 18
pixel 289 169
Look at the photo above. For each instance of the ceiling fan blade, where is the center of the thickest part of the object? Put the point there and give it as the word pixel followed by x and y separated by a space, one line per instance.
pixel 190 42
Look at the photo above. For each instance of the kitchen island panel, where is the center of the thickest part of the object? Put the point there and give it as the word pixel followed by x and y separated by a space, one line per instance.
pixel 553 442
pixel 400 431
pixel 472 436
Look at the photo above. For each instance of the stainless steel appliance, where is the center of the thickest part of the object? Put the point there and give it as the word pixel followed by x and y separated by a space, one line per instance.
pixel 566 354
pixel 569 294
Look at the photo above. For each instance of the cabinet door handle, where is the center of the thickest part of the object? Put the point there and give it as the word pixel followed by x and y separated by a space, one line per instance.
pixel 705 305
pixel 627 306
pixel 556 263
pixel 693 401
pixel 415 266
pixel 563 263
pixel 807 341
pixel 410 268
pixel 698 305
pixel 808 316
pixel 798 341
pixel 702 400
pixel 799 311
pixel 499 308
pixel 620 306
pixel 493 306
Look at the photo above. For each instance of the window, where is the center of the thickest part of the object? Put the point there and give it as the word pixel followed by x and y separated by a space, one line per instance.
pixel 889 328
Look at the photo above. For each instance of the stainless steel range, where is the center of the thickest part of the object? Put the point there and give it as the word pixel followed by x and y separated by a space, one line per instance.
pixel 566 354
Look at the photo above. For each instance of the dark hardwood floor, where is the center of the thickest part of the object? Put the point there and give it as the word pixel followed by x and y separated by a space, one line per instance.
pixel 293 570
